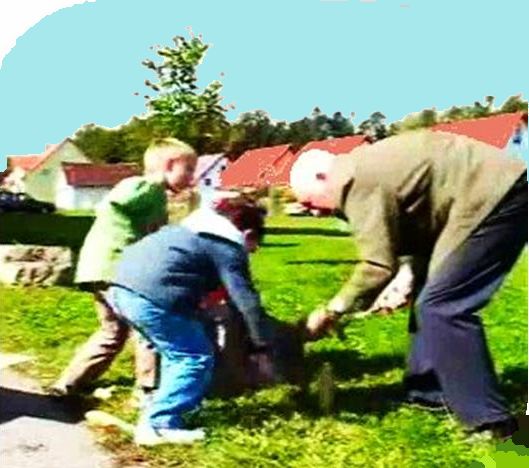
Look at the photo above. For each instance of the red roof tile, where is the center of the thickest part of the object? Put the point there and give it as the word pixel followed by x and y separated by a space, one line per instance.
pixel 30 162
pixel 496 130
pixel 271 166
pixel 336 145
pixel 282 168
pixel 98 175
pixel 254 168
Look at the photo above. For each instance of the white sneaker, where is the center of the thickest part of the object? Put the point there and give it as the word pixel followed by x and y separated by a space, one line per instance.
pixel 147 435
pixel 141 398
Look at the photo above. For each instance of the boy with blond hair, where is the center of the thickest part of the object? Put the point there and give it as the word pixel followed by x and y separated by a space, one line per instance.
pixel 134 208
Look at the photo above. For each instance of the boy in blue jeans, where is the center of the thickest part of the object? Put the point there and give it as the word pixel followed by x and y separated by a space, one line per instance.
pixel 158 287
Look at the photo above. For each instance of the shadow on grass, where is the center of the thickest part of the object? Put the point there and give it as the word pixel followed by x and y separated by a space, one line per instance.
pixel 121 381
pixel 18 403
pixel 378 400
pixel 308 231
pixel 279 244
pixel 514 385
pixel 322 262
pixel 253 411
pixel 253 408
pixel 349 364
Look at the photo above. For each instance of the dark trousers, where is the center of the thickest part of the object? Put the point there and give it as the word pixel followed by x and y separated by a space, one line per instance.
pixel 449 360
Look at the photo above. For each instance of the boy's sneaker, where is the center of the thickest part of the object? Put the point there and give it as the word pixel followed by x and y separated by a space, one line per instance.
pixel 141 398
pixel 60 391
pixel 149 436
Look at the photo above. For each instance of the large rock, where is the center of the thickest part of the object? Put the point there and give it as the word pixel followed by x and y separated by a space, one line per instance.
pixel 35 265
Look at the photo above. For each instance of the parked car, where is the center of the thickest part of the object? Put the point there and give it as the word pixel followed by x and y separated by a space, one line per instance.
pixel 10 201
pixel 296 209
pixel 301 209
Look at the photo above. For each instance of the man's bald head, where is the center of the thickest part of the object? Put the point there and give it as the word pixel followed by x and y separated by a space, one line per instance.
pixel 309 178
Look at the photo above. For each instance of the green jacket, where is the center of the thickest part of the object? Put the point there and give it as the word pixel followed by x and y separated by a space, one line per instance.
pixel 421 193
pixel 132 209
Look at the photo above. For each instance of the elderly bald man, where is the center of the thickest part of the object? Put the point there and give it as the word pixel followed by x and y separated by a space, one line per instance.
pixel 460 206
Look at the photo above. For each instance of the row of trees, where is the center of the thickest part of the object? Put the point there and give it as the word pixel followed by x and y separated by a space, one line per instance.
pixel 180 108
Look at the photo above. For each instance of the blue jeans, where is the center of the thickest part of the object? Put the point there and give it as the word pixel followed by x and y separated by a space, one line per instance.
pixel 186 356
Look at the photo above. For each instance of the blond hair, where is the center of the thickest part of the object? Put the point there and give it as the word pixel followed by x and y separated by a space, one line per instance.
pixel 163 150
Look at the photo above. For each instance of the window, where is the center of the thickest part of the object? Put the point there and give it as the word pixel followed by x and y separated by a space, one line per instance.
pixel 517 137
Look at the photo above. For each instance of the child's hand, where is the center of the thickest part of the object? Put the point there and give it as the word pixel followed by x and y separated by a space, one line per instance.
pixel 263 370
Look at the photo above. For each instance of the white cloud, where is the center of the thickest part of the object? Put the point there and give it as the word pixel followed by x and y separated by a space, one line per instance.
pixel 17 16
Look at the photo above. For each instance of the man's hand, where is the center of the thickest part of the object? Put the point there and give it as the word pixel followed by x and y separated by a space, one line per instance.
pixel 319 323
pixel 396 295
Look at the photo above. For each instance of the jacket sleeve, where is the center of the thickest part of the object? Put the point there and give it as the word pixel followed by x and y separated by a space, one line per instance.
pixel 141 201
pixel 232 265
pixel 372 212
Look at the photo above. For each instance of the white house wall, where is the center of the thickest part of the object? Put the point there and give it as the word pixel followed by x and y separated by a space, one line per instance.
pixel 14 182
pixel 77 198
pixel 87 198
pixel 42 182
pixel 64 194
pixel 518 145
pixel 211 181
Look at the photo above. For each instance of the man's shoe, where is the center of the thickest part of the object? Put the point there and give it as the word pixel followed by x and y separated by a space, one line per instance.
pixel 429 405
pixel 499 430
pixel 149 436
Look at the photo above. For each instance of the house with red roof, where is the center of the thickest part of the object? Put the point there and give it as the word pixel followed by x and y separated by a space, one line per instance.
pixel 81 186
pixel 37 174
pixel 265 167
pixel 506 131
pixel 335 146
pixel 256 168
pixel 208 174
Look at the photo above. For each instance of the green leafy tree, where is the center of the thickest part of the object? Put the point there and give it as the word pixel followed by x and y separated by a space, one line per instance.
pixel 454 113
pixel 300 132
pixel 514 104
pixel 423 119
pixel 136 135
pixel 251 130
pixel 179 107
pixel 320 125
pixel 126 143
pixel 281 133
pixel 101 144
pixel 374 127
pixel 340 126
pixel 394 128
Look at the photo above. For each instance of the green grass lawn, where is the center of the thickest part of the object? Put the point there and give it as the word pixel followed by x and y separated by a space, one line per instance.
pixel 298 268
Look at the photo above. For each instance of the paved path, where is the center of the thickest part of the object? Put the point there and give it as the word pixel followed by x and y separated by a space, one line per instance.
pixel 38 432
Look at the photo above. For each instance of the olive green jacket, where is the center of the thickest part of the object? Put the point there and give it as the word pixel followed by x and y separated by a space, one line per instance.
pixel 132 209
pixel 421 193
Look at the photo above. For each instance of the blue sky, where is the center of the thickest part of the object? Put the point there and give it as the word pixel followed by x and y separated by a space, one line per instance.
pixel 83 64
